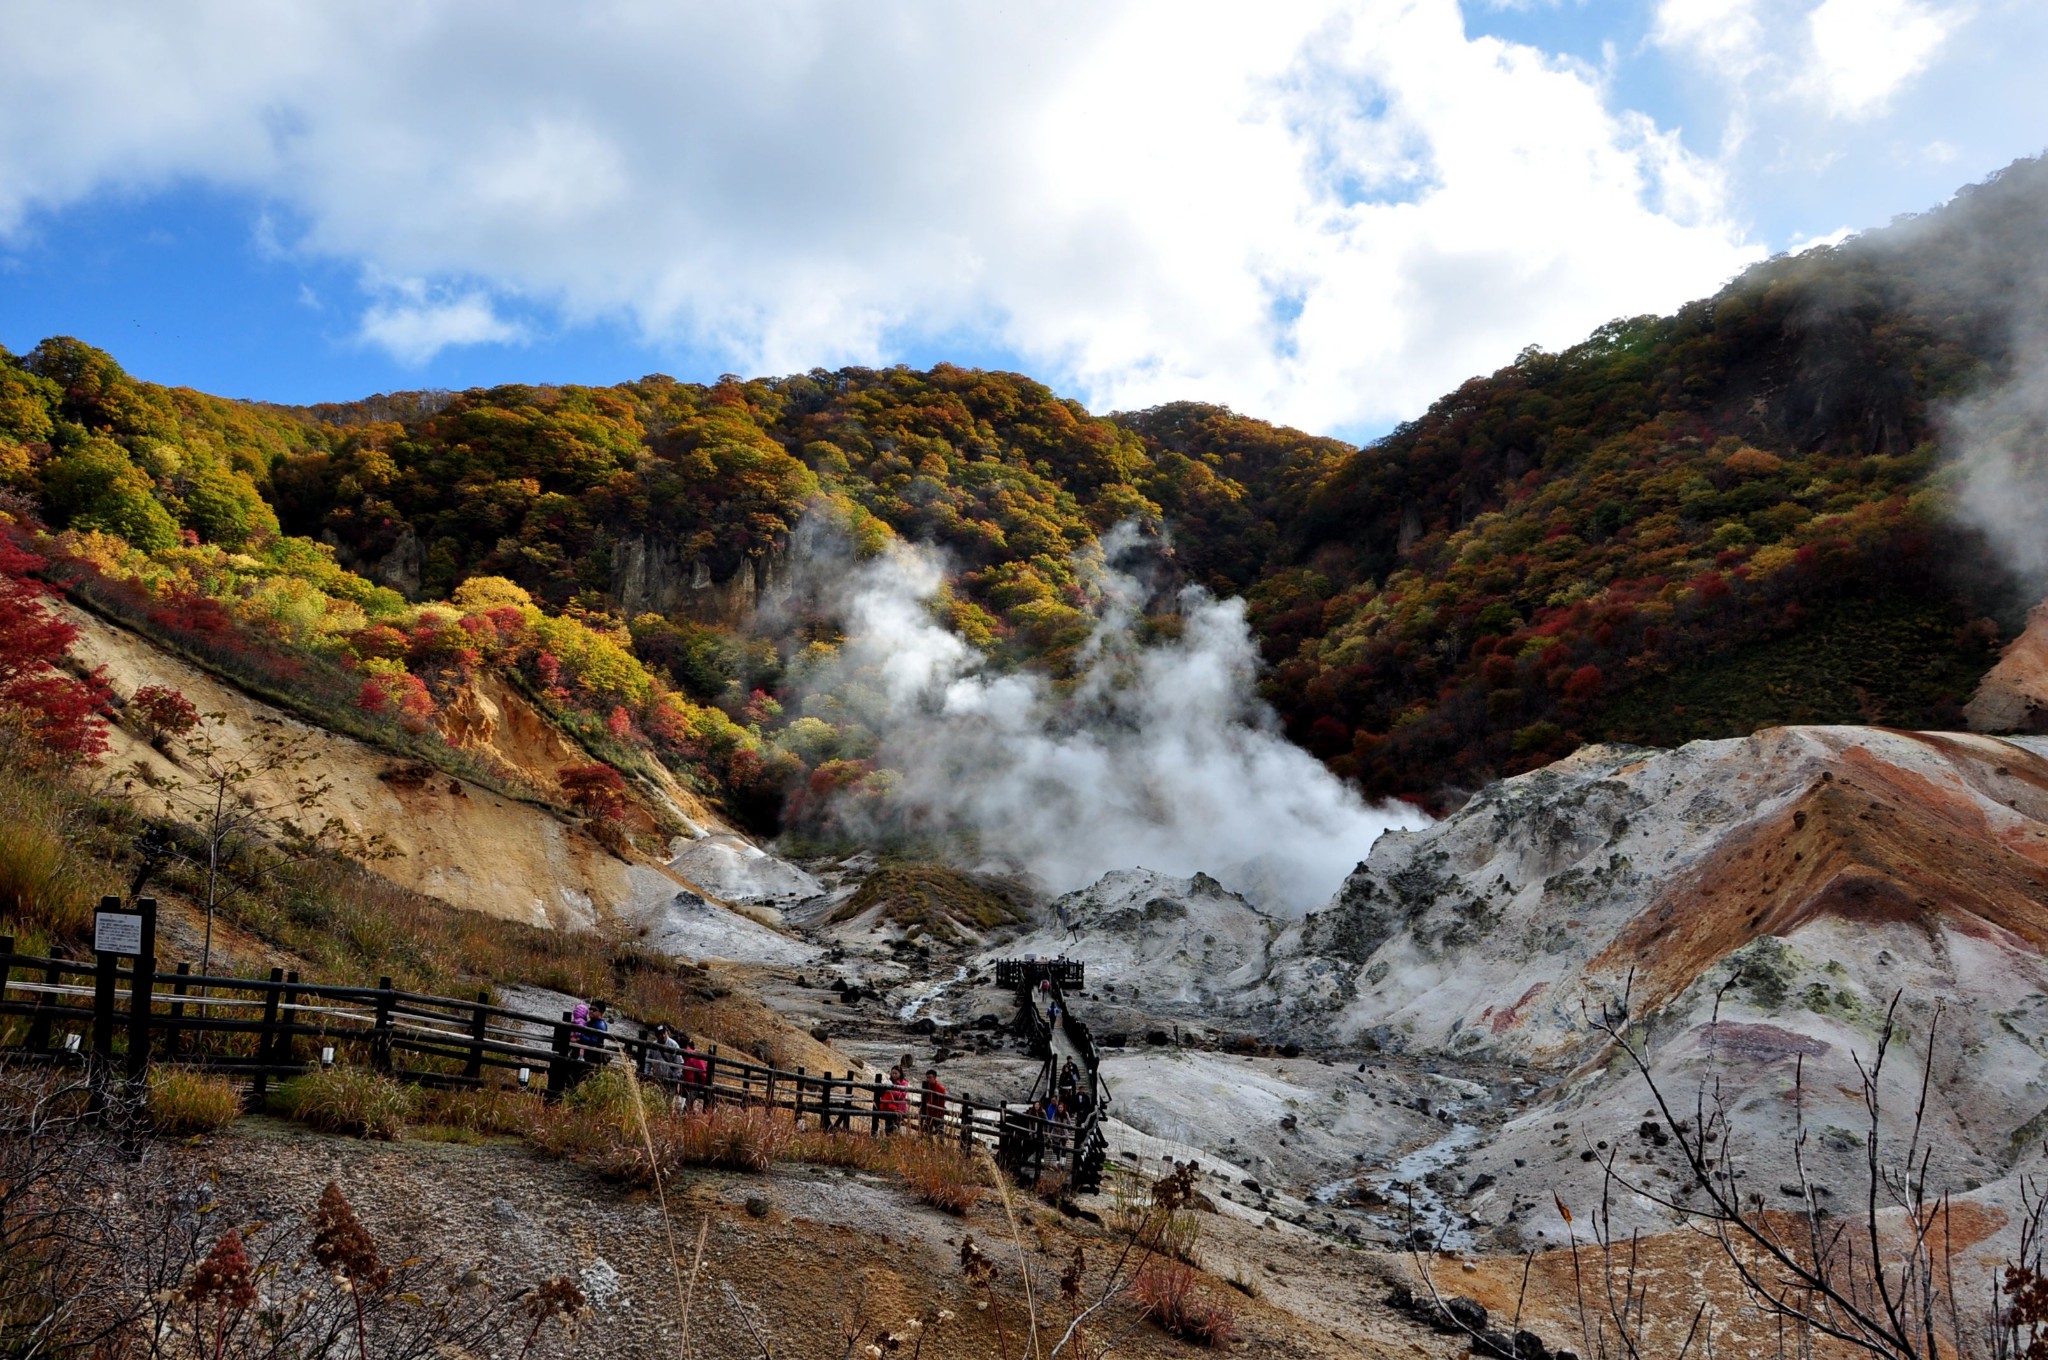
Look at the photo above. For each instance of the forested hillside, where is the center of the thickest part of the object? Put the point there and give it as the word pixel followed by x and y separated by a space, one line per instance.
pixel 1685 526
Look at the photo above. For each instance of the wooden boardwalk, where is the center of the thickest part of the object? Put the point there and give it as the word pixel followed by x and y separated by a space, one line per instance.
pixel 117 1014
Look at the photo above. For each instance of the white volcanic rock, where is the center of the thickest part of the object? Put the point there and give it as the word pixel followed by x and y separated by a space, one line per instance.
pixel 684 923
pixel 1623 870
pixel 1746 911
pixel 730 868
pixel 1179 941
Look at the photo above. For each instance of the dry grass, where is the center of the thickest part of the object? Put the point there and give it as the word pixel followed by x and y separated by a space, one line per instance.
pixel 937 1174
pixel 1167 1293
pixel 48 885
pixel 348 1100
pixel 598 1127
pixel 183 1101
pixel 820 1147
pixel 470 1115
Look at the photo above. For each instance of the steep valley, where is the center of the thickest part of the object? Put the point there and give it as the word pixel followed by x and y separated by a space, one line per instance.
pixel 1417 1078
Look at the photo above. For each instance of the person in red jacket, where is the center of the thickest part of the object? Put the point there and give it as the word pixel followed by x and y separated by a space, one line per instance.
pixel 892 1100
pixel 696 1078
pixel 933 1102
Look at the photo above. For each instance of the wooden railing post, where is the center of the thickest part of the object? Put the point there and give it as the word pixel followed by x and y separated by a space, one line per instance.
pixel 380 1033
pixel 174 1026
pixel 473 1070
pixel 284 1045
pixel 103 1006
pixel 558 1062
pixel 46 1001
pixel 266 1036
pixel 142 991
pixel 796 1101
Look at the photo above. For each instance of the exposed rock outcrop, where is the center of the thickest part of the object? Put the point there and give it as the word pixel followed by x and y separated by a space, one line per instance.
pixel 650 575
pixel 1507 928
pixel 404 567
pixel 2013 695
pixel 1183 940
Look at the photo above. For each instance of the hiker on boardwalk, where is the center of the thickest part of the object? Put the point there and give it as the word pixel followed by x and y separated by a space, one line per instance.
pixel 592 1022
pixel 696 1077
pixel 664 1054
pixel 892 1100
pixel 933 1102
pixel 1069 1083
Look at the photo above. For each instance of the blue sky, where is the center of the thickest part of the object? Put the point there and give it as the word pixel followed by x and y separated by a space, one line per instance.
pixel 1325 212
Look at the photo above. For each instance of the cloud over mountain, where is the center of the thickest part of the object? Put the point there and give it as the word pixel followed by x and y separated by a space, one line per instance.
pixel 1325 214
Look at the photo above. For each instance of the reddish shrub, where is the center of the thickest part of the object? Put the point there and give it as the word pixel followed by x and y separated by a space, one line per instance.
pixel 596 791
pixel 59 712
pixel 1166 1294
pixel 160 712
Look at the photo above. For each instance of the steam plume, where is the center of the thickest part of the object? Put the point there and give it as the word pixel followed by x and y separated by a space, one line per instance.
pixel 1159 756
pixel 1999 439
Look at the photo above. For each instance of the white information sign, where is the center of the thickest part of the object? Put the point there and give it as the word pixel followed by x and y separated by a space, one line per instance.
pixel 117 932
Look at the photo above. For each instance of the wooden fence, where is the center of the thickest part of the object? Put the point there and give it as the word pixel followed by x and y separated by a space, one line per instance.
pixel 117 1015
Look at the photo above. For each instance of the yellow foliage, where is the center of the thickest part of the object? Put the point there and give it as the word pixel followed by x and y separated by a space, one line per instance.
pixel 480 593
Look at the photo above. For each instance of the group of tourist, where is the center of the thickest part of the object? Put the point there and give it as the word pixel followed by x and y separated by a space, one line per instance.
pixel 669 1058
pixel 1069 1102
pixel 892 1101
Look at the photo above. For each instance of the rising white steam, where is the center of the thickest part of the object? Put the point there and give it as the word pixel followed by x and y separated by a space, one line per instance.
pixel 1999 440
pixel 1160 756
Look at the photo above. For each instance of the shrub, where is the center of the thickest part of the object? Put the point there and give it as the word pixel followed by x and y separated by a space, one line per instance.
pixel 348 1100
pixel 595 790
pixel 937 1174
pixel 609 1096
pixel 1166 1294
pixel 184 1101
pixel 159 713
pixel 723 1137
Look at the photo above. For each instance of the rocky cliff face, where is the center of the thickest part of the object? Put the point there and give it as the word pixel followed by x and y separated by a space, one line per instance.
pixel 650 575
pixel 2013 696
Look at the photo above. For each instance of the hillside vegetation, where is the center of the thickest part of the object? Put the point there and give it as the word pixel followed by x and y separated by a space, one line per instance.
pixel 1676 528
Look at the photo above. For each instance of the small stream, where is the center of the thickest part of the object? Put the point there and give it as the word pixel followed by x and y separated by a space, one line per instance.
pixel 1426 1209
pixel 918 1003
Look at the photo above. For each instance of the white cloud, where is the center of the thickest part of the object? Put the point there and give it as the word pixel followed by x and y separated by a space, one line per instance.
pixel 1847 58
pixel 1803 243
pixel 1866 50
pixel 414 324
pixel 1725 34
pixel 1326 213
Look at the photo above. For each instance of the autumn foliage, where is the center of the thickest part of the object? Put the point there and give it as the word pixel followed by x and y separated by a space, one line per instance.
pixel 58 712
pixel 596 791
pixel 1683 526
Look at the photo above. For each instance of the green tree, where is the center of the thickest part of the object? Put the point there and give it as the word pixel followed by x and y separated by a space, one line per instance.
pixel 93 484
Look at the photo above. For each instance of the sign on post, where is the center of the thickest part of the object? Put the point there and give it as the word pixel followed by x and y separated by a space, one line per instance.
pixel 117 932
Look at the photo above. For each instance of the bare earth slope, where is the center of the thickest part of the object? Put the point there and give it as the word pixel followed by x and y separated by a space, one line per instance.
pixel 2013 695
pixel 465 845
